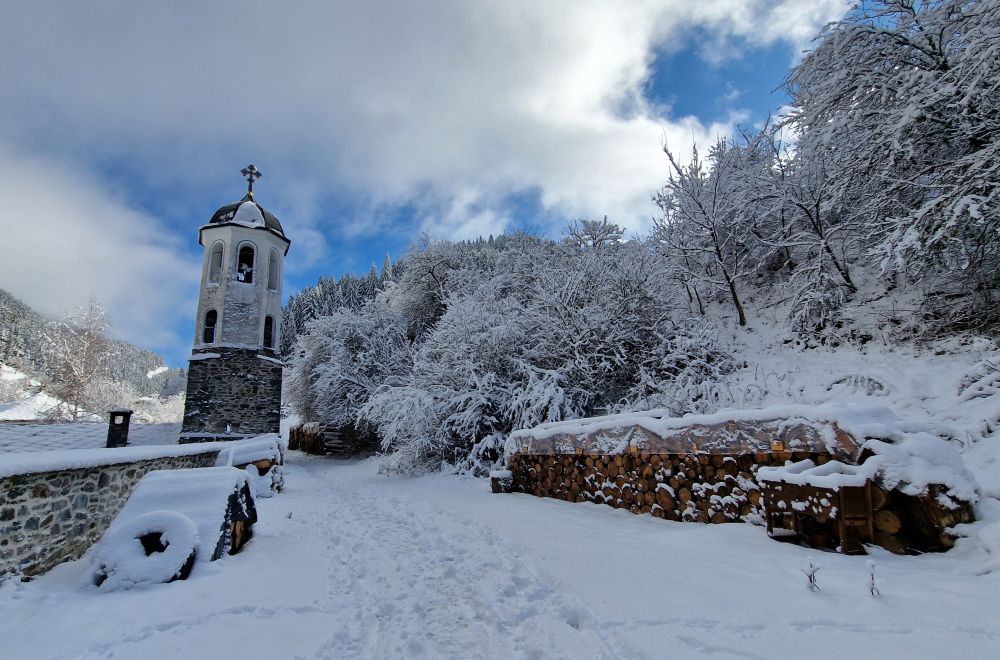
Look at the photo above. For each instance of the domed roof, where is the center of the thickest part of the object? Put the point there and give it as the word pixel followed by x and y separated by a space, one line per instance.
pixel 249 213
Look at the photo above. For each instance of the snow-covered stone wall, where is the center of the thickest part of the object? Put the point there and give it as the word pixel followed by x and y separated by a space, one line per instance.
pixel 54 513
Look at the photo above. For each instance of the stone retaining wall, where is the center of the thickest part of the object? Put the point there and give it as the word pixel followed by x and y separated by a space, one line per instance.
pixel 50 517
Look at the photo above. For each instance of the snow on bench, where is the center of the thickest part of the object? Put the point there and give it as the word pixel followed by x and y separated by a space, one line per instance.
pixel 171 517
pixel 261 458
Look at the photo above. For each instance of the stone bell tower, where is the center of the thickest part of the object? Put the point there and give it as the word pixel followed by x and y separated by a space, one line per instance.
pixel 234 375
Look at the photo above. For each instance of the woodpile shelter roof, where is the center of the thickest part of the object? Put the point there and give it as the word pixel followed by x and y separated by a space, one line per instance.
pixel 742 432
pixel 729 438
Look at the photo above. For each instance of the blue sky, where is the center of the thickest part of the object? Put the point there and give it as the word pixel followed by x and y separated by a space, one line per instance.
pixel 124 126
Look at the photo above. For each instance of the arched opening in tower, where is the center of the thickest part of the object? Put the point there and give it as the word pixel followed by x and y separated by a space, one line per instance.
pixel 244 266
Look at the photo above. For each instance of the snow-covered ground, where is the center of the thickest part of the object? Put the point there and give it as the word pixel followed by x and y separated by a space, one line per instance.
pixel 22 399
pixel 348 564
pixel 17 402
pixel 8 373
pixel 30 406
pixel 81 435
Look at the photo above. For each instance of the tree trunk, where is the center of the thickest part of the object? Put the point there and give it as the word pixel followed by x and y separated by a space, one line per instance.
pixel 840 268
pixel 737 303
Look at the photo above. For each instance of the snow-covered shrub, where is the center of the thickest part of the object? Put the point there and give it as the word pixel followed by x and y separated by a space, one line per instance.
pixel 816 299
pixel 11 389
pixel 685 372
pixel 982 381
pixel 866 384
pixel 536 334
pixel 979 387
pixel 343 359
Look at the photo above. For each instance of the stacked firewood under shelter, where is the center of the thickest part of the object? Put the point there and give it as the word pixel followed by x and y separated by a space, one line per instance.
pixel 335 441
pixel 844 507
pixel 709 471
pixel 704 473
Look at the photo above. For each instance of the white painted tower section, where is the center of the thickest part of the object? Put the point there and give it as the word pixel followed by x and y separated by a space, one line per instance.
pixel 242 298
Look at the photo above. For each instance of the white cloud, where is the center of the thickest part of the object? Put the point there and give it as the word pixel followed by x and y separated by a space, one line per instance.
pixel 448 107
pixel 386 98
pixel 727 24
pixel 66 239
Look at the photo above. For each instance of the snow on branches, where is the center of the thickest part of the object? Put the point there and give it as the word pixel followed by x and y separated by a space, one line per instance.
pixel 479 339
pixel 878 186
pixel 902 100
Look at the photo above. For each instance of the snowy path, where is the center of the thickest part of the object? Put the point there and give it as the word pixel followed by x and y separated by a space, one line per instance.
pixel 414 581
pixel 438 567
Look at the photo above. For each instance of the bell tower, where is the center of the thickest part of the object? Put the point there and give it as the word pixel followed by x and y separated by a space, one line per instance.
pixel 234 374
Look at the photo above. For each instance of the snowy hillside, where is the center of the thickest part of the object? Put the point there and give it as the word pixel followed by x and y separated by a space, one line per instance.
pixel 17 401
pixel 30 341
pixel 28 406
pixel 23 399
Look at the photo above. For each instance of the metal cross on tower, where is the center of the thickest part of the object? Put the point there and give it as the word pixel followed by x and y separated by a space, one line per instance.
pixel 252 174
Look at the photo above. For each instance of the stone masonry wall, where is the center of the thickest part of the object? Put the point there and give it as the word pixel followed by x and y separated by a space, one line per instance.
pixel 47 518
pixel 238 392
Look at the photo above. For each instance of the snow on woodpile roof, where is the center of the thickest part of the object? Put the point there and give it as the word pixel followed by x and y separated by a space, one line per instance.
pixel 908 454
pixel 798 428
pixel 822 428
pixel 911 463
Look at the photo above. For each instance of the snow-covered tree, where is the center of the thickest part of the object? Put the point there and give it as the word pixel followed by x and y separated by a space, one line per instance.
pixel 76 348
pixel 533 331
pixel 327 296
pixel 814 240
pixel 101 395
pixel 593 234
pixel 902 98
pixel 343 358
pixel 708 227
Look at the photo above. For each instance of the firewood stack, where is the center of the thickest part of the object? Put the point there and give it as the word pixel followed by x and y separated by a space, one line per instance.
pixel 829 487
pixel 847 517
pixel 697 487
pixel 326 440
